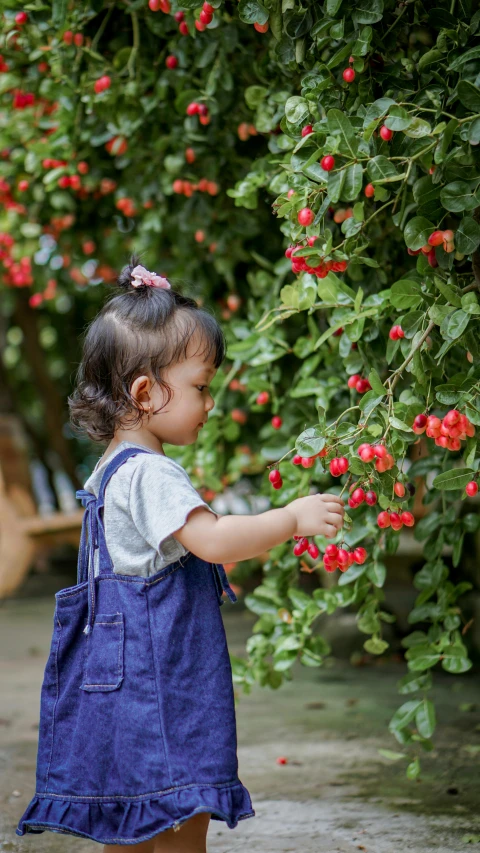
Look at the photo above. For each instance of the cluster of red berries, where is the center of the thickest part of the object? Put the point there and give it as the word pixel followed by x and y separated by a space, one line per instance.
pixel 72 181
pixel 308 461
pixel 338 466
pixel 19 273
pixel 187 189
pixel 22 100
pixel 102 83
pixel 302 545
pixel 395 333
pixel 205 18
pixel 200 110
pixel 49 163
pixel 245 131
pixel 342 214
pixel 301 265
pixel 341 558
pixel 7 201
pixel 126 205
pixel 358 383
pixel 378 452
pixel 448 432
pixel 437 238
pixel 68 37
pixel 359 496
pixel 395 520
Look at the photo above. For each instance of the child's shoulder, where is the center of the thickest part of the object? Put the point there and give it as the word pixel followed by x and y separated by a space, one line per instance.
pixel 142 466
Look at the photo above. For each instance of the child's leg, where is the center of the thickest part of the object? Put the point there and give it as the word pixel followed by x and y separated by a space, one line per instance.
pixel 191 837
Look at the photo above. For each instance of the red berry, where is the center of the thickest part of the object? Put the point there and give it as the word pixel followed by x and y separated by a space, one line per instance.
pixel 380 451
pixel 183 28
pixel 21 18
pixel 313 550
pixel 306 216
pixel 331 552
pixel 274 476
pixel 282 760
pixel 395 521
pixel 371 498
pixel 276 422
pixel 67 37
pixel 23 186
pixel 171 61
pixel 301 546
pixel 407 519
pixel 334 469
pixel 205 17
pixel 329 565
pixel 352 381
pixel 399 490
pixel 262 398
pixel 261 28
pixel 420 424
pixel 297 459
pixel 383 519
pixel 327 163
pixel 343 464
pixel 358 496
pixel 349 75
pixel 308 461
pixel 386 133
pixel 432 258
pixel 369 190
pixel 78 39
pixel 179 16
pixel 366 452
pixel 307 130
pixel 207 7
pixel 342 557
pixel 471 488
pixel 360 555
pixel 193 109
pixel 352 504
pixel 362 386
pixel 436 238
pixel 452 418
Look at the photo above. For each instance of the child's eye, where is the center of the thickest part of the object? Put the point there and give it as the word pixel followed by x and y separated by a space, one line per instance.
pixel 201 387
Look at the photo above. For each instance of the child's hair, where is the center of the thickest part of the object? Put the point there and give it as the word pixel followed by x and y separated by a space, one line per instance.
pixel 143 330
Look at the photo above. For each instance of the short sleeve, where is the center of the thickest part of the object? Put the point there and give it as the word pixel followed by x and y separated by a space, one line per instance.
pixel 160 499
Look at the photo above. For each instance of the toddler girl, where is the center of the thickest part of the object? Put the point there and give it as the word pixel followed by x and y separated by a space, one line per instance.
pixel 137 736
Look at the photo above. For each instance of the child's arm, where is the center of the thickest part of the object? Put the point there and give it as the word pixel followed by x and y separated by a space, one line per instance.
pixel 232 538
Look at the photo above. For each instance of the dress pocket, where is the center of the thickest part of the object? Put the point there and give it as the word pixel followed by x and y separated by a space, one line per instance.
pixel 103 670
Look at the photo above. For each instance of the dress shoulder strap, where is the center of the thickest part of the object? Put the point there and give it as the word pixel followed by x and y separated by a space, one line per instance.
pixel 93 522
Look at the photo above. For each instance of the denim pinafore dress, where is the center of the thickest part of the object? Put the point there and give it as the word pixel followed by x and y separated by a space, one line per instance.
pixel 137 719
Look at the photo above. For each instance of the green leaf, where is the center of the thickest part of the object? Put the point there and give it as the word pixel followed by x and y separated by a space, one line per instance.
pixel 458 196
pixel 405 294
pixel 425 718
pixel 457 323
pixel 404 715
pixel 398 118
pixel 367 11
pixel 412 682
pixel 375 646
pixel 418 128
pixel 469 95
pixel 311 441
pixel 335 183
pixel 381 169
pixel 473 53
pixel 252 12
pixel 456 478
pixel 398 424
pixel 392 756
pixel 428 58
pixel 376 382
pixel 59 13
pixel 296 110
pixel 413 769
pixel 417 231
pixel 353 182
pixel 456 665
pixel 467 236
pixel 450 294
pixel 340 125
pixel 377 573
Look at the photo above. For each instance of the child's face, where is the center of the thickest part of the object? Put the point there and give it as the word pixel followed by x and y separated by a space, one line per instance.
pixel 180 421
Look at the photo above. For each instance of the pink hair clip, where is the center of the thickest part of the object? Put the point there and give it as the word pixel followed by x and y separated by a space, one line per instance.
pixel 142 276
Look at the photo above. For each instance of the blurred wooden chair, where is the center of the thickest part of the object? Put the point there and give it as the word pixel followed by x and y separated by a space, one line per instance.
pixel 24 534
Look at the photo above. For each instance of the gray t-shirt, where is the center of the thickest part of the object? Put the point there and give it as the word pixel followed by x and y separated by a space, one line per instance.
pixel 147 499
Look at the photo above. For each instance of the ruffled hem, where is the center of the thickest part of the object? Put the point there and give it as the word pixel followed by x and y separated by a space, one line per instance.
pixel 129 821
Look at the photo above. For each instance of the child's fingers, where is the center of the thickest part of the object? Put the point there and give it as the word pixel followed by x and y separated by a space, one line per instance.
pixel 332 499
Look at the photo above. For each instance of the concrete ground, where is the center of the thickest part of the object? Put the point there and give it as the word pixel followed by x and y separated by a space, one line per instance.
pixel 336 794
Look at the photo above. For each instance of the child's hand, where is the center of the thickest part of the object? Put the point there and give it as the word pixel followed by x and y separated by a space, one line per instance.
pixel 317 515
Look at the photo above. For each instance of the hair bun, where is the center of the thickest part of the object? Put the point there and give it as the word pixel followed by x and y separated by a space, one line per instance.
pixel 124 280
